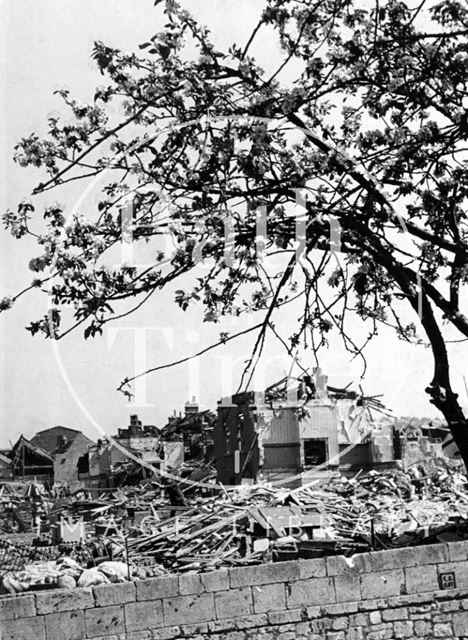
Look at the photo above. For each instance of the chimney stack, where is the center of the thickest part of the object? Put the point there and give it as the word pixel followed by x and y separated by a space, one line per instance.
pixel 320 383
pixel 191 407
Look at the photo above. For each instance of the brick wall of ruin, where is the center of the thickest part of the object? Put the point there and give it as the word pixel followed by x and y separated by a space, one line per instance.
pixel 389 594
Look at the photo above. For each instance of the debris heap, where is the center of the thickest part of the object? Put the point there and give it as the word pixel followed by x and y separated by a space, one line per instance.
pixel 152 529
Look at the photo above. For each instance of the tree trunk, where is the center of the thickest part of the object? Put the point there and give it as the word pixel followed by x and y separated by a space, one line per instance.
pixel 447 403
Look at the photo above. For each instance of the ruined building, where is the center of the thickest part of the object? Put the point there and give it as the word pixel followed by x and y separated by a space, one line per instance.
pixel 29 461
pixel 189 436
pixel 141 439
pixel 311 429
pixel 50 456
pixel 98 466
pixel 66 446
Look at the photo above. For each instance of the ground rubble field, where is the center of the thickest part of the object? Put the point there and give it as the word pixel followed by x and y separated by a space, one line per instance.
pixel 135 532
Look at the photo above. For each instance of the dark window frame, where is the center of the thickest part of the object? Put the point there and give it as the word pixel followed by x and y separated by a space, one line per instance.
pixel 321 441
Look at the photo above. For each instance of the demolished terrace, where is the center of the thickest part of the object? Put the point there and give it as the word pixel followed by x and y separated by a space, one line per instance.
pixel 145 530
pixel 303 471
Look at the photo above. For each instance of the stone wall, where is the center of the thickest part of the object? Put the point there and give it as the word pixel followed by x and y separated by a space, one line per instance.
pixel 389 594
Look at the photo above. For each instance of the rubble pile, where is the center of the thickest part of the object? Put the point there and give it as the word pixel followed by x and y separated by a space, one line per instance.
pixel 16 500
pixel 376 510
pixel 158 527
pixel 392 508
pixel 64 573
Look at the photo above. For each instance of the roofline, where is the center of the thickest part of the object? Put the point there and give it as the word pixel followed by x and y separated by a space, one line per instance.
pixel 33 446
pixel 57 426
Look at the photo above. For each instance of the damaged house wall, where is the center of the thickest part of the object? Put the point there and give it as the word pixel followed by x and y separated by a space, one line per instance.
pixel 194 430
pixel 66 446
pixel 138 437
pixel 98 465
pixel 317 430
pixel 420 442
pixel 29 461
pixel 235 439
pixel 251 438
pixel 278 441
pixel 95 467
pixel 66 460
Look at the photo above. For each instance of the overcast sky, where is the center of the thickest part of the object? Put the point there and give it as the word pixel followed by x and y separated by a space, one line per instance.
pixel 47 45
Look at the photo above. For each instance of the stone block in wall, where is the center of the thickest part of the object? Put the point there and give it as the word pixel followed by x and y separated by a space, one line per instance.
pixel 380 632
pixel 249 622
pixel 104 621
pixel 403 629
pixel 191 630
pixel 314 612
pixel 68 625
pixel 431 553
pixel 443 630
pixel 118 636
pixel 442 617
pixel 264 574
pixel 321 625
pixel 114 594
pixel 161 634
pixel 137 635
pixel 359 620
pixel 269 597
pixel 419 599
pixel 339 565
pixel 190 583
pixel 389 615
pixel 422 628
pixel 140 616
pixel 355 633
pixel 314 568
pixel 220 626
pixel 381 584
pixel 216 580
pixel 189 609
pixel 371 604
pixel 235 635
pixel 460 623
pixel 156 588
pixel 58 600
pixel 392 559
pixel 460 569
pixel 340 623
pixel 375 617
pixel 310 592
pixel 303 629
pixel 339 608
pixel 17 607
pixel 419 579
pixel 450 606
pixel 458 551
pixel 233 603
pixel 23 629
pixel 283 617
pixel 347 587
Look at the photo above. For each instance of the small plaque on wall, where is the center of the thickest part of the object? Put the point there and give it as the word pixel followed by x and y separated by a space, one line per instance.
pixel 447 580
